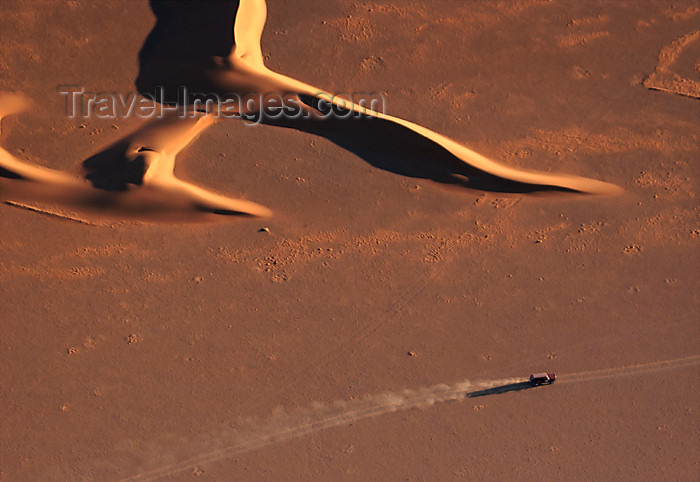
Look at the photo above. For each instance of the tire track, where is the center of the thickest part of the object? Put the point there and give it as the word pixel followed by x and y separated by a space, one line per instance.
pixel 629 371
pixel 282 427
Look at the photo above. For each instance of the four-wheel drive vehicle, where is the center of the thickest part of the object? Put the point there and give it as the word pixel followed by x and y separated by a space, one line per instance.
pixel 537 379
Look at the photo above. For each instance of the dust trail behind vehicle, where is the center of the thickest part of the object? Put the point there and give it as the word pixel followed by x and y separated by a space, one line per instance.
pixel 284 426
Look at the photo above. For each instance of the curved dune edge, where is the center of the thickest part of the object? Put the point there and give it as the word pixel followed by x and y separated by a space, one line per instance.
pixel 471 158
pixel 253 13
pixel 161 197
pixel 476 160
pixel 173 200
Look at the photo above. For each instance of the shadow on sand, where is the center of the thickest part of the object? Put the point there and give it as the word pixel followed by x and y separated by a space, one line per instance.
pixel 185 40
pixel 511 387
pixel 180 50
pixel 397 149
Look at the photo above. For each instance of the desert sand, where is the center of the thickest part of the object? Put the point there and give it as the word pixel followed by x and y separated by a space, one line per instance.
pixel 377 316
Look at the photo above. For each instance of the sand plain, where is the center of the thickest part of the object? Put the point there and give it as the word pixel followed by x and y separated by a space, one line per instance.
pixel 341 343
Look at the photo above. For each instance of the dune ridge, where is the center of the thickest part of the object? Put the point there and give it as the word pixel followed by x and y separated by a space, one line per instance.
pixel 158 194
pixel 148 156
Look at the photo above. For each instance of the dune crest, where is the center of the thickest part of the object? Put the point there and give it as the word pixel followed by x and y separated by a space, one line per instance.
pixel 139 177
pixel 252 14
pixel 153 194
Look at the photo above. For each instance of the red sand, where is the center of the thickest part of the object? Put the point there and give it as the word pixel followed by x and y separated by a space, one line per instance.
pixel 130 347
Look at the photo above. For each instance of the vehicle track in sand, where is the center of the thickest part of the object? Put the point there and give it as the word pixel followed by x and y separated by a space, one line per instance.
pixel 287 426
pixel 629 371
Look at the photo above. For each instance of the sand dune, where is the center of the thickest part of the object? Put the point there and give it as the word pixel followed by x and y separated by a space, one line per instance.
pixel 136 176
pixel 334 340
pixel 153 193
